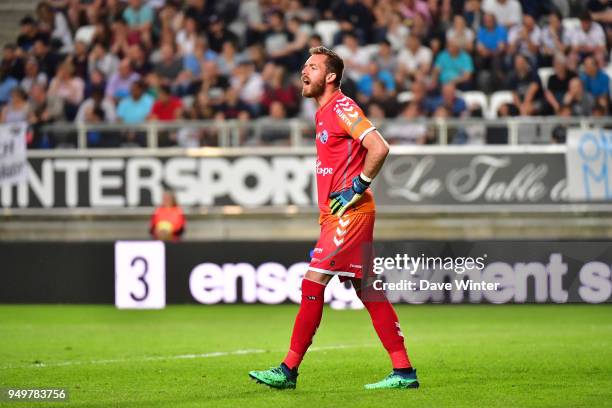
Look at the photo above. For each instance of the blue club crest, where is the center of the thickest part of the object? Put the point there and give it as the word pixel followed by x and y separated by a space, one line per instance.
pixel 323 136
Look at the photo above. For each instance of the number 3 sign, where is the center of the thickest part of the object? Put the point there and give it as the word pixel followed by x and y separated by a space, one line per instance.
pixel 140 275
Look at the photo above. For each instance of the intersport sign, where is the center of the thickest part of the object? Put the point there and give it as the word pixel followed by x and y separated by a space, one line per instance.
pixel 430 176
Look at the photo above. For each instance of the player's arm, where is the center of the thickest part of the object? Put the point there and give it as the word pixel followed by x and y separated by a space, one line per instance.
pixel 377 151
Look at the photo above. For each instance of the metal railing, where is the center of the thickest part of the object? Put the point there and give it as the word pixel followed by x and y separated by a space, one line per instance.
pixel 299 133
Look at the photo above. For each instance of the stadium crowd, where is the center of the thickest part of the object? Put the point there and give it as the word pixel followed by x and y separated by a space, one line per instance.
pixel 113 61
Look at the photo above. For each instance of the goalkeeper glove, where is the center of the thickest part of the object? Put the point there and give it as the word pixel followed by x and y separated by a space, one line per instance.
pixel 343 200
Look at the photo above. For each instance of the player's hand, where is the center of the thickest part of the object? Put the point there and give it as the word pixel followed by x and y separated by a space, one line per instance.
pixel 343 200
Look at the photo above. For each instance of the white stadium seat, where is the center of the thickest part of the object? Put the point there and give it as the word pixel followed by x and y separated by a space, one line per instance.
pixel 545 73
pixel 476 98
pixel 327 29
pixel 497 100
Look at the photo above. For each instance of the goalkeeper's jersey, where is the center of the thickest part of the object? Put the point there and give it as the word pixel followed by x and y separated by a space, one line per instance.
pixel 340 127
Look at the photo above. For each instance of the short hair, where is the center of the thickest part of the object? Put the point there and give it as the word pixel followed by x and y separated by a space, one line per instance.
pixel 333 62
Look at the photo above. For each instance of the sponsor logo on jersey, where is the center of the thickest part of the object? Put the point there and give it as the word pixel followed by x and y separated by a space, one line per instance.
pixel 323 171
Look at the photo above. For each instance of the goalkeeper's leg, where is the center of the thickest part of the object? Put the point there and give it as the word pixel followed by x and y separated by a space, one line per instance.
pixel 386 324
pixel 305 326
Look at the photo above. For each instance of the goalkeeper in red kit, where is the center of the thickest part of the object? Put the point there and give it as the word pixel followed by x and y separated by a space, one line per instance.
pixel 350 152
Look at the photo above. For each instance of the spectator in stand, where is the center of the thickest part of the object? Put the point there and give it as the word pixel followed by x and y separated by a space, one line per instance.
pixel 508 13
pixel 120 82
pixel 526 87
pixel 278 88
pixel 588 39
pixel 218 34
pixel 276 37
pixel 553 36
pixel 397 32
pixel 43 110
pixel 595 81
pixel 291 54
pixel 385 98
pixel 17 109
pixel 101 59
pixel 192 61
pixel 461 33
pixel 69 88
pixel 48 60
pixel 167 107
pixel 558 84
pixel 54 25
pixel 414 61
pixel 525 39
pixel 139 18
pixel 228 58
pixel 136 107
pixel 449 100
pixel 355 57
pixel 386 59
pixel 354 17
pixel 170 66
pixel 407 130
pixel 12 63
pixel 32 75
pixel 490 54
pixel 168 220
pixel 139 60
pixel 419 95
pixel 186 38
pixel 581 103
pixel 454 65
pixel 232 107
pixel 120 40
pixel 96 101
pixel 366 82
pixel 411 9
pixel 80 60
pixel 87 11
pixel 601 12
pixel 473 14
pixel 250 86
pixel 28 34
pixel 272 129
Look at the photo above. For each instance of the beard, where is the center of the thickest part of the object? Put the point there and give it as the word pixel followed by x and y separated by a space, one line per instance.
pixel 315 89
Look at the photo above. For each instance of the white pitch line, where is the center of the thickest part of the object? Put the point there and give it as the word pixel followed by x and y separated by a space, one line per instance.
pixel 176 357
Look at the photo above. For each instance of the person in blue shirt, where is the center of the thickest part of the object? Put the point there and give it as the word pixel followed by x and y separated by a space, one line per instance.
pixel 595 81
pixel 448 99
pixel 135 108
pixel 453 65
pixel 491 43
pixel 366 82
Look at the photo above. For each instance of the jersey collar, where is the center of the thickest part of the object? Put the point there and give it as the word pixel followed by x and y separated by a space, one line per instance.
pixel 333 98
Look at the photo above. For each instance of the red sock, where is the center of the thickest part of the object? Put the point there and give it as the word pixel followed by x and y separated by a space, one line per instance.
pixel 306 322
pixel 387 327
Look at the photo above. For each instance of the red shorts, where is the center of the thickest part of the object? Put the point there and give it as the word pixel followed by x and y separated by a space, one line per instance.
pixel 345 246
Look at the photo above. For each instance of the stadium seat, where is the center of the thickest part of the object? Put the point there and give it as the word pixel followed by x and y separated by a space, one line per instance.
pixel 497 100
pixel 404 97
pixel 476 98
pixel 545 73
pixel 571 24
pixel 327 29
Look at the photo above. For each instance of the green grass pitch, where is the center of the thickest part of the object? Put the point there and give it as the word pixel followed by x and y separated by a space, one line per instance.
pixel 199 356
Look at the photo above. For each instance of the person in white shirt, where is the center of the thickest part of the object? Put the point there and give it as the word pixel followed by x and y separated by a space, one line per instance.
pixel 525 38
pixel 588 39
pixel 355 57
pixel 507 12
pixel 414 61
